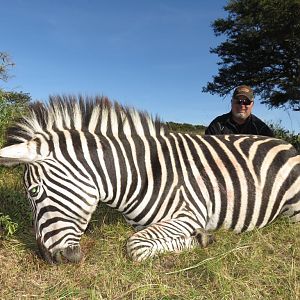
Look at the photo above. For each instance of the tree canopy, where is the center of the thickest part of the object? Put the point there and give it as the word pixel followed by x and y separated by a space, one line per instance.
pixel 262 50
pixel 5 64
pixel 10 98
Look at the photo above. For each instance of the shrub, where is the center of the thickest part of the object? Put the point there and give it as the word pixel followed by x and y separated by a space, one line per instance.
pixel 186 128
pixel 286 135
pixel 12 106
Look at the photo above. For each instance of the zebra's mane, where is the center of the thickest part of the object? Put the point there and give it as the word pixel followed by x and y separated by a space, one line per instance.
pixel 97 115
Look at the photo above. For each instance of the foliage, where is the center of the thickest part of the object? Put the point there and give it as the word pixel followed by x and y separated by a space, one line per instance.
pixel 290 137
pixel 186 128
pixel 12 106
pixel 7 225
pixel 262 50
pixel 5 63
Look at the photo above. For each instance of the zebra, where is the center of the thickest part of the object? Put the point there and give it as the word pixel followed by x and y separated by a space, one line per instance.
pixel 175 189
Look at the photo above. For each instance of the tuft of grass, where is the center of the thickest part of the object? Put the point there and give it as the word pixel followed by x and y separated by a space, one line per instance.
pixel 262 264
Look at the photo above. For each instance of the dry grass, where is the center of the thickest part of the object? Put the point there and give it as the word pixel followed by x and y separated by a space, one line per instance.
pixel 263 264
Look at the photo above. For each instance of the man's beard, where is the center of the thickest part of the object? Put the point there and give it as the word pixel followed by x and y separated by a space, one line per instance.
pixel 240 116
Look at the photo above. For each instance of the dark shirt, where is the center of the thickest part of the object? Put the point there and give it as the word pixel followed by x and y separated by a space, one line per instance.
pixel 225 125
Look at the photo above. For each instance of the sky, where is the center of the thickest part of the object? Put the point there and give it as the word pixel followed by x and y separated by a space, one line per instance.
pixel 149 54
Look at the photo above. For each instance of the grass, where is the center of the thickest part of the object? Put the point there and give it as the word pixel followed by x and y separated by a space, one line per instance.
pixel 262 264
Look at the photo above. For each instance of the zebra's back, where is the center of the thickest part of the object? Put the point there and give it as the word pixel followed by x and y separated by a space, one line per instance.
pixel 242 181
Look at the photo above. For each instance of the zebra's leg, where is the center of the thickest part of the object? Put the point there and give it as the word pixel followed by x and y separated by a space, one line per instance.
pixel 292 210
pixel 173 235
pixel 293 214
pixel 203 237
pixel 296 214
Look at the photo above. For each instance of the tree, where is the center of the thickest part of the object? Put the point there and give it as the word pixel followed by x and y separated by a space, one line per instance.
pixel 12 104
pixel 262 50
pixel 5 63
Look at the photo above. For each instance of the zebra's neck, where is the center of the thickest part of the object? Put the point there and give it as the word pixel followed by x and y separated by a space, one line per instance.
pixel 136 175
pixel 123 166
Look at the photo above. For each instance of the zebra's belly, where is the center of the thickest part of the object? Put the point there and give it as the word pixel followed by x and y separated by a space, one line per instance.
pixel 245 215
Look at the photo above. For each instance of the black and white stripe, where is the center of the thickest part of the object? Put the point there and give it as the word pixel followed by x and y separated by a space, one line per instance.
pixel 175 187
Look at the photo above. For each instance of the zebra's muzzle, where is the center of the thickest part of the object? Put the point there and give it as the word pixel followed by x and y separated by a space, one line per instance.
pixel 71 254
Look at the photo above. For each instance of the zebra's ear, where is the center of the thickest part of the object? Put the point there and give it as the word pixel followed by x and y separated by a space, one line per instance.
pixel 18 153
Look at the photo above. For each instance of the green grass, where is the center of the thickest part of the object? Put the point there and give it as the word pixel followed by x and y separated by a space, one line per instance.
pixel 262 264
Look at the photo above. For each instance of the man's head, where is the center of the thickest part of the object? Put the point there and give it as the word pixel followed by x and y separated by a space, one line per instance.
pixel 242 103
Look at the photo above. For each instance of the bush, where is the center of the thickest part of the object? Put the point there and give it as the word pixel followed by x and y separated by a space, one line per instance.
pixel 12 106
pixel 286 135
pixel 186 128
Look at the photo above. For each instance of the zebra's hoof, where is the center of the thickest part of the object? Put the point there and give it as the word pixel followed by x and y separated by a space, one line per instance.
pixel 203 237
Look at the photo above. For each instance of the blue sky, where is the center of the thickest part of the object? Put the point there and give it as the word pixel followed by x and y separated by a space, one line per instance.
pixel 150 54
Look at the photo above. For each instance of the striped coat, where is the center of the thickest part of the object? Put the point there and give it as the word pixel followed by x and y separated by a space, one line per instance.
pixel 173 188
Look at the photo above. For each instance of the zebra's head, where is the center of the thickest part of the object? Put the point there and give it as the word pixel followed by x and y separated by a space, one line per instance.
pixel 62 200
pixel 69 147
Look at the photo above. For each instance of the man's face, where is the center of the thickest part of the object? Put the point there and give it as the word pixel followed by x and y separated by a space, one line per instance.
pixel 241 108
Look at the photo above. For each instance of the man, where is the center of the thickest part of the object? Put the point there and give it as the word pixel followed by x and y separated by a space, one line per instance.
pixel 239 120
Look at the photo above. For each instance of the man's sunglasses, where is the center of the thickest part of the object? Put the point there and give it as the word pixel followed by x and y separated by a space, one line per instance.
pixel 242 101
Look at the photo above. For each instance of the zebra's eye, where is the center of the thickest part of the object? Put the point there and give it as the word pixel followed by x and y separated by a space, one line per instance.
pixel 34 191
